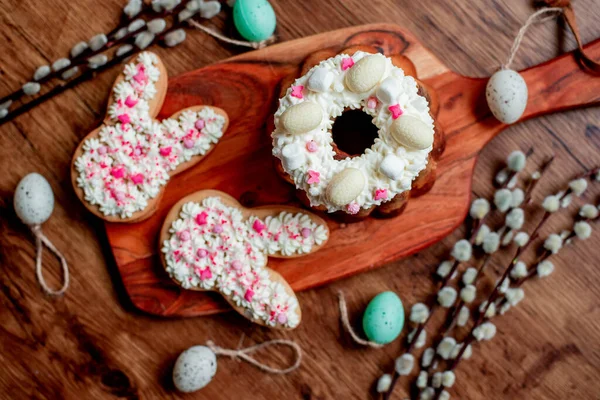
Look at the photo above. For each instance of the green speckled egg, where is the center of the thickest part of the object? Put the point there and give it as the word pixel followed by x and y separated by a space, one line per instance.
pixel 254 19
pixel 384 318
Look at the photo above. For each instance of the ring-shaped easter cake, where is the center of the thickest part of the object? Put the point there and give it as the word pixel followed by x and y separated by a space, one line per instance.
pixel 303 142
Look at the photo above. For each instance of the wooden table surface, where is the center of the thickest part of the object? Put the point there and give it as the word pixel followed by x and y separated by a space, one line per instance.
pixel 93 344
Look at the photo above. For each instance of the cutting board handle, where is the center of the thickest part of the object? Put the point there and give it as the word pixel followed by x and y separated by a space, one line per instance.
pixel 562 83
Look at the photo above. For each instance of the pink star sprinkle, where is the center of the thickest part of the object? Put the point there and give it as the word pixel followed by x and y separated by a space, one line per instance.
pixel 381 194
pixel 282 318
pixel 165 151
pixel 137 178
pixel 130 101
pixel 102 150
pixel 118 172
pixel 200 124
pixel 184 236
pixel 237 265
pixel 205 274
pixel 249 295
pixel 313 177
pixel 140 77
pixel 312 146
pixel 306 232
pixel 347 63
pixel 124 119
pixel 217 229
pixel 297 91
pixel 188 143
pixel 372 102
pixel 201 218
pixel 396 111
pixel 201 252
pixel 258 225
pixel 353 208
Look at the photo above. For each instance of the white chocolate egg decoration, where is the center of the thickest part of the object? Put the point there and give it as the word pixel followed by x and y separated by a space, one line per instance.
pixel 506 95
pixel 302 117
pixel 366 73
pixel 345 186
pixel 320 80
pixel 194 369
pixel 34 200
pixel 412 133
pixel 392 167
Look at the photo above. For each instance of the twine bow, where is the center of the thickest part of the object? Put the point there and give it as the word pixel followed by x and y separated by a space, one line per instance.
pixel 40 241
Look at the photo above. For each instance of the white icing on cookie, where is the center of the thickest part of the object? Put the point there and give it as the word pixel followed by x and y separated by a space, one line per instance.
pixel 128 162
pixel 392 97
pixel 212 246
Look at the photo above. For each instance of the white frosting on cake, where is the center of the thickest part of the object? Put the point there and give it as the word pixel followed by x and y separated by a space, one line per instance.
pixel 313 167
pixel 128 162
pixel 212 246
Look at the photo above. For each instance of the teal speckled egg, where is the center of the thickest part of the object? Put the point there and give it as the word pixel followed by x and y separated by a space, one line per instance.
pixel 384 318
pixel 254 19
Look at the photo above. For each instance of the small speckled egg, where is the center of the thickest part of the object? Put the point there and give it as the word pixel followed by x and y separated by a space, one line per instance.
pixel 384 318
pixel 194 369
pixel 254 19
pixel 34 200
pixel 506 95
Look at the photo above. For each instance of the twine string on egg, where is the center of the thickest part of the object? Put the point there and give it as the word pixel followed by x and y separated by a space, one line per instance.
pixel 220 36
pixel 533 18
pixel 348 327
pixel 40 241
pixel 244 354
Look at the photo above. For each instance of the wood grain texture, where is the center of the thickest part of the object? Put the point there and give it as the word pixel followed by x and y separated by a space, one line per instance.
pixel 93 344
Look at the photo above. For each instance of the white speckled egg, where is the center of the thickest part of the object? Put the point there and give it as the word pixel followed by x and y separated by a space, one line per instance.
pixel 194 369
pixel 506 95
pixel 34 200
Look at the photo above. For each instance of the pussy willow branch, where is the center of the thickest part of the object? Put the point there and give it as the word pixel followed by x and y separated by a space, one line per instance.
pixel 534 182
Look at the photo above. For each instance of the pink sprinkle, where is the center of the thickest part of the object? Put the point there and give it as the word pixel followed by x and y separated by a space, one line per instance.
pixel 130 101
pixel 138 178
pixel 372 102
pixel 188 143
pixel 396 111
pixel 165 151
pixel 205 274
pixel 237 265
pixel 297 91
pixel 306 232
pixel 313 177
pixel 202 253
pixel 217 229
pixel 200 124
pixel 312 146
pixel 282 318
pixel 347 63
pixel 258 225
pixel 118 172
pixel 184 236
pixel 140 77
pixel 381 194
pixel 353 208
pixel 201 218
pixel 137 152
pixel 124 118
pixel 249 295
pixel 102 150
pixel 120 196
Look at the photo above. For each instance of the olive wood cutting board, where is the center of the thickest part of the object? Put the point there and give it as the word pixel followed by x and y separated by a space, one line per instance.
pixel 247 87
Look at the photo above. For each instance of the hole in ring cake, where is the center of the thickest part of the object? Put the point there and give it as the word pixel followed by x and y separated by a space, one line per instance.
pixel 304 144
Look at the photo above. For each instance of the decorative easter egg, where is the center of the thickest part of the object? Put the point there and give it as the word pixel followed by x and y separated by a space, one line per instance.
pixel 506 95
pixel 365 74
pixel 34 200
pixel 194 369
pixel 345 186
pixel 254 19
pixel 302 117
pixel 412 133
pixel 384 318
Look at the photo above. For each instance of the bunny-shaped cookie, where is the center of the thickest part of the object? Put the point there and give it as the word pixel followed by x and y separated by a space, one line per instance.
pixel 119 171
pixel 210 242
